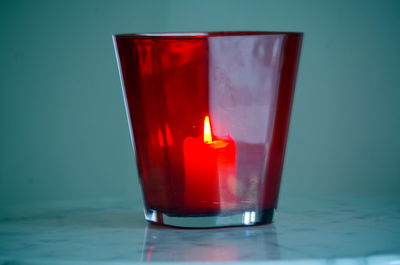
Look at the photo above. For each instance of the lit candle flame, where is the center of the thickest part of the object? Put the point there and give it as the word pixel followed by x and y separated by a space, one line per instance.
pixel 207 131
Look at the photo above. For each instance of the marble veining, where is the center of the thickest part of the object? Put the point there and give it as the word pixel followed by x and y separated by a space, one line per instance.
pixel 305 231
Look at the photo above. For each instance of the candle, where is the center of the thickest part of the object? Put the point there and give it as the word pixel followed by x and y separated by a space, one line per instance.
pixel 210 171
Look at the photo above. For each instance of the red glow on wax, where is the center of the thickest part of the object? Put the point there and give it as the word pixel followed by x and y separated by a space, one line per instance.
pixel 210 170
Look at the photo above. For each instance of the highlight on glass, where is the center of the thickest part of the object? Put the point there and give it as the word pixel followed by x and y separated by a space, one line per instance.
pixel 209 116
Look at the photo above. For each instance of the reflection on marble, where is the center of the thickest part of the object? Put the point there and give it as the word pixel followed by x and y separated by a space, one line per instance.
pixel 210 245
pixel 305 231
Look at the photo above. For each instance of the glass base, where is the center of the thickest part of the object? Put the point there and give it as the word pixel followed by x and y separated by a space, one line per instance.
pixel 244 218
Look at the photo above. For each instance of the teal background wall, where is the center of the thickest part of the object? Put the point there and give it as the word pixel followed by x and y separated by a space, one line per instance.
pixel 64 134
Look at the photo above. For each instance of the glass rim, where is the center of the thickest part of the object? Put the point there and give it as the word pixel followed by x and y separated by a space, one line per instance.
pixel 203 34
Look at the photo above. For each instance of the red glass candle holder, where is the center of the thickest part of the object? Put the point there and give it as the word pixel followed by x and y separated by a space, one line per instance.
pixel 209 116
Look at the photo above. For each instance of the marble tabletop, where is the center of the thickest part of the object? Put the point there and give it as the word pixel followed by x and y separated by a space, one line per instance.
pixel 305 231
